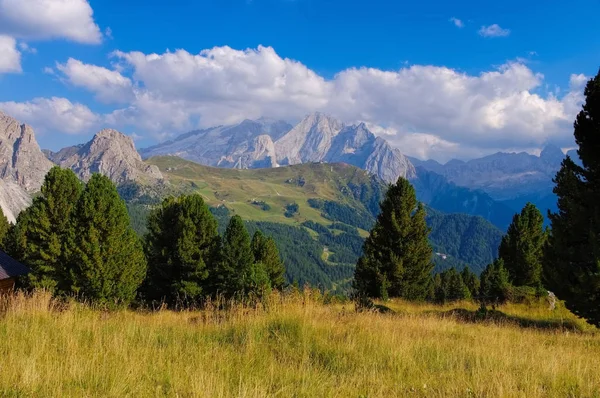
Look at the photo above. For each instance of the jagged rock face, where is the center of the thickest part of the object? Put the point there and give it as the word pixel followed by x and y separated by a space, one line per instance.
pixel 110 153
pixel 21 160
pixel 308 141
pixel 239 146
pixel 13 199
pixel 266 143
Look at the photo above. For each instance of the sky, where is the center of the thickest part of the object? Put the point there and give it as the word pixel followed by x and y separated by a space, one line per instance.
pixel 437 79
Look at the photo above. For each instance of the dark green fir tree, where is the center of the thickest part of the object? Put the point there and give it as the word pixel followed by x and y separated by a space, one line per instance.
pixel 107 263
pixel 182 247
pixel 572 257
pixel 266 253
pixel 396 260
pixel 39 238
pixel 522 247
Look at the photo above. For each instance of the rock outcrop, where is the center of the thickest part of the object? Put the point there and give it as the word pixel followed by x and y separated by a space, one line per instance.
pixel 21 159
pixel 110 153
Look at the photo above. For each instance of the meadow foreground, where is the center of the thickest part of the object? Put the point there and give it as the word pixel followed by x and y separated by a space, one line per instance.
pixel 298 347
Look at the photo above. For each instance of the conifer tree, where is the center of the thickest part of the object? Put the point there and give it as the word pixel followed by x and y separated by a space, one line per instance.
pixel 495 285
pixel 107 262
pixel 266 253
pixel 450 286
pixel 471 281
pixel 522 247
pixel 4 229
pixel 396 260
pixel 235 275
pixel 40 236
pixel 572 258
pixel 182 249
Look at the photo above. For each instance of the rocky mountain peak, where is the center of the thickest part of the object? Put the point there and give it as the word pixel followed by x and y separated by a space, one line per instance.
pixel 552 154
pixel 21 159
pixel 111 153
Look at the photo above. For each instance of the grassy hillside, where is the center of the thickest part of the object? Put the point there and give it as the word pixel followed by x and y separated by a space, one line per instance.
pixel 318 214
pixel 246 192
pixel 299 347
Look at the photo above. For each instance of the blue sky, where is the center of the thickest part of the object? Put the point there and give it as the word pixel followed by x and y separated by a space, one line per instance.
pixel 437 79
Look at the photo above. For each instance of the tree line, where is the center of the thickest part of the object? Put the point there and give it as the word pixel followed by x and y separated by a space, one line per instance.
pixel 78 241
pixel 564 258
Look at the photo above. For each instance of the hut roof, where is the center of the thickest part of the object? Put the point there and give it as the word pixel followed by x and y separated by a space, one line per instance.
pixel 9 267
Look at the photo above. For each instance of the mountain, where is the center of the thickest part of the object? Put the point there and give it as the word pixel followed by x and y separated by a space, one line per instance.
pixel 267 143
pixel 249 144
pixel 110 153
pixel 438 193
pixel 22 166
pixel 21 159
pixel 504 176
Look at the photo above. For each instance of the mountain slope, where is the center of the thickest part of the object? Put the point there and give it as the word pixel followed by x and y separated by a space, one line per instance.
pixel 336 205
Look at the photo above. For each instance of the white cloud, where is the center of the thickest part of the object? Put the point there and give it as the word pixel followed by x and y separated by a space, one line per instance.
pixel 493 31
pixel 49 19
pixel 422 109
pixel 108 85
pixel 10 57
pixel 457 22
pixel 53 115
pixel 26 48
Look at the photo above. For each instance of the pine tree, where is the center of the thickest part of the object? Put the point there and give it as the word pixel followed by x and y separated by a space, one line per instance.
pixel 235 276
pixel 396 258
pixel 266 253
pixel 108 262
pixel 4 229
pixel 495 285
pixel 471 281
pixel 522 247
pixel 182 249
pixel 40 236
pixel 450 286
pixel 572 258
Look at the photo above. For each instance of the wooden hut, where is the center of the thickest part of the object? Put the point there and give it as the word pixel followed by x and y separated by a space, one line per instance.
pixel 10 269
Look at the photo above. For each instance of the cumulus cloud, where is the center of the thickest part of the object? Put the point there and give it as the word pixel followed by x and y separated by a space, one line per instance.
pixel 457 22
pixel 108 85
pixel 423 110
pixel 493 31
pixel 49 19
pixel 10 57
pixel 53 114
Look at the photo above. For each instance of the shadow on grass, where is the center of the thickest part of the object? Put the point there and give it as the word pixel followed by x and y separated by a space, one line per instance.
pixel 500 318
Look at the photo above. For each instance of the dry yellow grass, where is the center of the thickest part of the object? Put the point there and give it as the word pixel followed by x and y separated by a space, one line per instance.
pixel 298 347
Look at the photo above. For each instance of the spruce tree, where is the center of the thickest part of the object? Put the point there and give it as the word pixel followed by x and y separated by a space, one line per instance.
pixel 107 262
pixel 495 285
pixel 572 257
pixel 522 247
pixel 40 236
pixel 396 260
pixel 235 275
pixel 450 286
pixel 266 253
pixel 4 229
pixel 182 249
pixel 471 281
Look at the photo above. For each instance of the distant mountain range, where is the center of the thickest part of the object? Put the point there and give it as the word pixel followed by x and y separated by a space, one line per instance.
pixel 269 143
pixel 494 187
